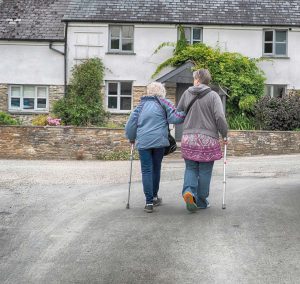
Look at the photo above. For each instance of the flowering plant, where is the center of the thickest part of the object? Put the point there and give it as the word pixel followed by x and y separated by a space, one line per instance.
pixel 53 121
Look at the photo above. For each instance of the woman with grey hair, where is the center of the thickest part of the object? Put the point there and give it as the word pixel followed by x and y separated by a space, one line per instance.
pixel 200 145
pixel 147 126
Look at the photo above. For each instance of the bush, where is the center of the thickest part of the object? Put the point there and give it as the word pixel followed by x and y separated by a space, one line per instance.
pixel 83 104
pixel 43 120
pixel 6 119
pixel 117 155
pixel 238 73
pixel 241 122
pixel 278 113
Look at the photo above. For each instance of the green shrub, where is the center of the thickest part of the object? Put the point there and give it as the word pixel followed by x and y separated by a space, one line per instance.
pixel 278 113
pixel 6 119
pixel 238 73
pixel 40 120
pixel 241 122
pixel 83 104
pixel 117 155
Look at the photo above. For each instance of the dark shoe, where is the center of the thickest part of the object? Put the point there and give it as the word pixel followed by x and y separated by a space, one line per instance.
pixel 157 201
pixel 148 208
pixel 207 205
pixel 190 202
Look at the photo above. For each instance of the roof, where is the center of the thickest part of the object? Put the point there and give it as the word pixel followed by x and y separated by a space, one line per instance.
pixel 230 12
pixel 32 19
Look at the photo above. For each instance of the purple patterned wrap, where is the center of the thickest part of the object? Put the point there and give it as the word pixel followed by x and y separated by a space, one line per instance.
pixel 200 148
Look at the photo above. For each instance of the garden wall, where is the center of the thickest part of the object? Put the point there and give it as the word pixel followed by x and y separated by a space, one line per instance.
pixel 34 142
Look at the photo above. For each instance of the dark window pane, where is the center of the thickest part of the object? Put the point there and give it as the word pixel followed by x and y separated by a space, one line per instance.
pixel 41 103
pixel 280 36
pixel 269 36
pixel 280 49
pixel 15 102
pixel 268 48
pixel 115 31
pixel 113 89
pixel 126 88
pixel 115 44
pixel 28 103
pixel 127 31
pixel 112 102
pixel 127 44
pixel 268 90
pixel 278 91
pixel 125 103
pixel 196 34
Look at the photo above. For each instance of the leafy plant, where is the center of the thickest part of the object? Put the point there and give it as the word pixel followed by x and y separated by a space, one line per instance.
pixel 238 73
pixel 241 122
pixel 116 155
pixel 40 120
pixel 83 104
pixel 6 119
pixel 278 113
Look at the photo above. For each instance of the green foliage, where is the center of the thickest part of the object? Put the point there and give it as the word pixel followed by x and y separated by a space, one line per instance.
pixel 83 104
pixel 278 113
pixel 40 120
pixel 236 72
pixel 181 43
pixel 117 155
pixel 247 103
pixel 241 122
pixel 6 119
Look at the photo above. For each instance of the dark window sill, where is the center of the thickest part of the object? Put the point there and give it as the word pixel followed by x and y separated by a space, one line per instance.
pixel 119 53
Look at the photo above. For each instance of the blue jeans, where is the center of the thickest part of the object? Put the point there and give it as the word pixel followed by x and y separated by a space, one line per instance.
pixel 151 165
pixel 197 179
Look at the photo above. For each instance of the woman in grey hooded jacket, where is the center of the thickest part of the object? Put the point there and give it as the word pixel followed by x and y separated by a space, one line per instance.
pixel 200 145
pixel 148 127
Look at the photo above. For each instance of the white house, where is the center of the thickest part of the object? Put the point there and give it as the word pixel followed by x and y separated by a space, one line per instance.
pixel 126 33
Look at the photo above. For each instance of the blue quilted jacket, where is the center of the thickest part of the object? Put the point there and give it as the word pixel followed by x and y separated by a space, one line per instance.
pixel 148 123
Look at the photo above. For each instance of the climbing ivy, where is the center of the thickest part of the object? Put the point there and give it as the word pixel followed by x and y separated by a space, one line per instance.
pixel 238 73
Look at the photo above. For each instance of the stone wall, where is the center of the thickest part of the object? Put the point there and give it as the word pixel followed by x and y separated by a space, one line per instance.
pixel 248 143
pixel 3 97
pixel 33 142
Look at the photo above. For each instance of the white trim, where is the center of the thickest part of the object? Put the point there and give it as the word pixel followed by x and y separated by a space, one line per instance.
pixel 118 96
pixel 21 108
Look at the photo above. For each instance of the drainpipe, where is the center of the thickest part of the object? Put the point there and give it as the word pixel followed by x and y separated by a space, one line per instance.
pixel 65 55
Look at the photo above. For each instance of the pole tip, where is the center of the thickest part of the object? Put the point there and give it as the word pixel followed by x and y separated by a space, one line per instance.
pixel 127 206
pixel 224 206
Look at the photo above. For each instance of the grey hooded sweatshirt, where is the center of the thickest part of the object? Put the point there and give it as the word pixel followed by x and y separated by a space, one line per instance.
pixel 206 116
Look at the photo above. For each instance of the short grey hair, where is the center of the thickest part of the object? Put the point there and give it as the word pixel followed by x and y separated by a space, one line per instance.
pixel 202 75
pixel 156 89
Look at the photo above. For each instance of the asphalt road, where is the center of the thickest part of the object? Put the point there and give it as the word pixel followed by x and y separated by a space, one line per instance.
pixel 66 222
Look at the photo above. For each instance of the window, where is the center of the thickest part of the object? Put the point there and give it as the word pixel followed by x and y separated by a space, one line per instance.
pixel 119 96
pixel 192 34
pixel 275 91
pixel 275 42
pixel 88 45
pixel 28 98
pixel 121 38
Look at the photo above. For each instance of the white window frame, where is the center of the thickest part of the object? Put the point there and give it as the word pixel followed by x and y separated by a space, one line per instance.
pixel 21 108
pixel 273 54
pixel 192 41
pixel 118 110
pixel 119 50
pixel 272 89
pixel 87 46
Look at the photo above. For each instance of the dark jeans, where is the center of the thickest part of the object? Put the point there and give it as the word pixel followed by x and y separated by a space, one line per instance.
pixel 151 165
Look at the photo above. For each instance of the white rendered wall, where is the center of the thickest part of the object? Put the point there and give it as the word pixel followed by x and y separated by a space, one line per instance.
pixel 140 66
pixel 30 63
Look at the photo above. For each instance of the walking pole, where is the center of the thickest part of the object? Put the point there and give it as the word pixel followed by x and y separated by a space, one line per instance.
pixel 129 183
pixel 224 176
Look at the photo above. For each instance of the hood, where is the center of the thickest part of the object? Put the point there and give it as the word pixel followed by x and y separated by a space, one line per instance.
pixel 196 90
